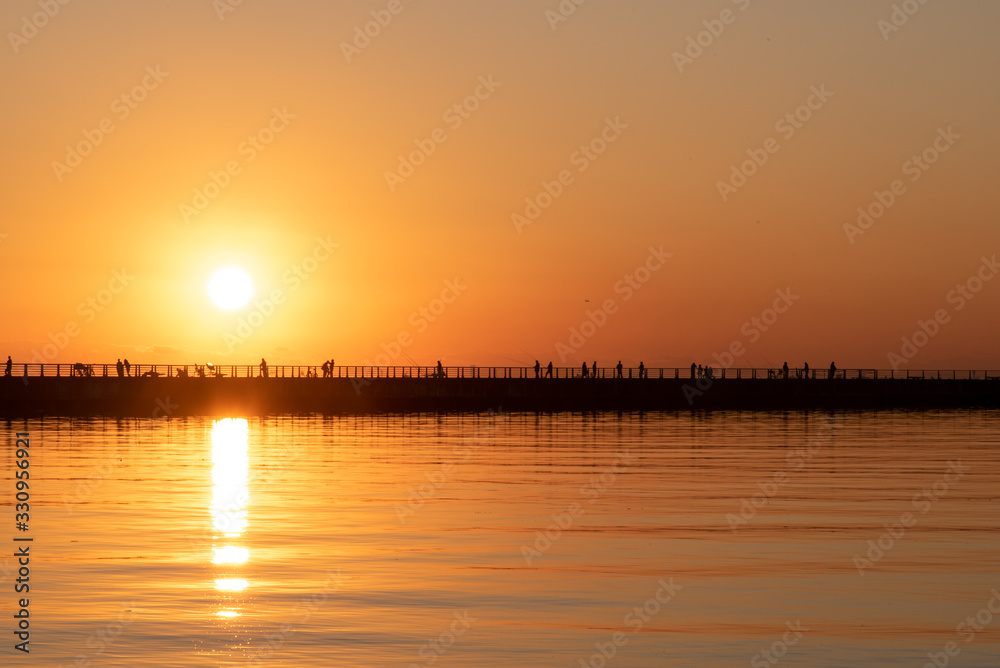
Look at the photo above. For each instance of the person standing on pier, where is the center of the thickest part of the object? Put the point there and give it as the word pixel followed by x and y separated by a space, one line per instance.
pixel 120 368
pixel 584 369
pixel 10 366
pixel 128 368
pixel 538 369
pixel 642 370
pixel 693 370
pixel 595 369
pixel 440 370
pixel 805 370
pixel 548 370
pixel 784 370
pixel 263 368
pixel 833 370
pixel 618 369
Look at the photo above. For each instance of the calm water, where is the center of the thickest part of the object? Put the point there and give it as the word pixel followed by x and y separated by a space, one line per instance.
pixel 673 540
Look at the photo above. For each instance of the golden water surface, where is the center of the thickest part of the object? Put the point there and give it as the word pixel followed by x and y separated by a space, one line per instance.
pixel 726 539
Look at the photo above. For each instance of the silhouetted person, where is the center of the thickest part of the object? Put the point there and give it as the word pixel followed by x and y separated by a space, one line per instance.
pixel 440 370
pixel 708 372
pixel 326 369
pixel 833 369
pixel 595 369
pixel 263 368
pixel 618 369
pixel 642 370
pixel 538 369
pixel 128 368
pixel 120 367
pixel 693 370
pixel 548 370
pixel 784 370
pixel 805 368
pixel 584 369
pixel 10 366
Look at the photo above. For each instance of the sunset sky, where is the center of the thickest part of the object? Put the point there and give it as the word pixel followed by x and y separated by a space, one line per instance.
pixel 384 188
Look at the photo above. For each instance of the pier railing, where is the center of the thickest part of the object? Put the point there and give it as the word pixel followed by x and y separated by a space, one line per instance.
pixel 509 372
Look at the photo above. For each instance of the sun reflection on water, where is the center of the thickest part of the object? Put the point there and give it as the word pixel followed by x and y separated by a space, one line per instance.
pixel 230 555
pixel 230 497
pixel 231 584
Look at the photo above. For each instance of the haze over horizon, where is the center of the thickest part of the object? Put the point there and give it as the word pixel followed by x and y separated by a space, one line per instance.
pixel 495 183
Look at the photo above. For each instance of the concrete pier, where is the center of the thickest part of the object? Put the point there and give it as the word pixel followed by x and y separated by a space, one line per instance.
pixel 244 396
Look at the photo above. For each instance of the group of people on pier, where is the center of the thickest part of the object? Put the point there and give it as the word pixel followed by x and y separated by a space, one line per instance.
pixel 697 371
pixel 591 372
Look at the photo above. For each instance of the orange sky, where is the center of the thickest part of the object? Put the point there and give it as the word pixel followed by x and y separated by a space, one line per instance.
pixel 311 121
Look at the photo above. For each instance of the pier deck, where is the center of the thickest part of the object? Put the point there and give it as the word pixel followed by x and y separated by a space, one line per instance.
pixel 33 390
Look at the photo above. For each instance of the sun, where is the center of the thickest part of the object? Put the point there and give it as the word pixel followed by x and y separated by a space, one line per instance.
pixel 230 288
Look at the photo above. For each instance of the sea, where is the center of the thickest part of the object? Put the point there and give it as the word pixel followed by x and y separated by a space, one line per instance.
pixel 716 539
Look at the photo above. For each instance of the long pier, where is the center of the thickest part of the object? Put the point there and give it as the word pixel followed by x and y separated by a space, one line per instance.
pixel 171 390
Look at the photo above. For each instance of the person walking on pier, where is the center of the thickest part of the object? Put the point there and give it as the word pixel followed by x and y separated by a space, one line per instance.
pixel 128 368
pixel 584 370
pixel 693 370
pixel 440 370
pixel 805 370
pixel 263 368
pixel 642 370
pixel 594 374
pixel 548 370
pixel 618 369
pixel 784 370
pixel 701 372
pixel 120 367
pixel 10 366
pixel 833 370
pixel 538 369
